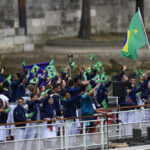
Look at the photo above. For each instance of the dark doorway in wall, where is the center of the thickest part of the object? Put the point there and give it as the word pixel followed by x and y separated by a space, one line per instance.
pixel 22 14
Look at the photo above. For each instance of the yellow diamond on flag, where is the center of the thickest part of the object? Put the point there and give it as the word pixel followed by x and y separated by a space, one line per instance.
pixel 135 31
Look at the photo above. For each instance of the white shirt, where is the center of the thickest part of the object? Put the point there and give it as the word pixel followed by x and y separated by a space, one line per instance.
pixel 4 99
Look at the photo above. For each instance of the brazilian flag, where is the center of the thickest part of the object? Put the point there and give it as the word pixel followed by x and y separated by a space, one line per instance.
pixel 34 80
pixel 23 63
pixel 35 67
pixel 92 57
pixel 135 37
pixel 52 62
pixel 89 70
pixel 104 104
pixel 73 65
pixel 50 67
pixel 97 78
pixel 45 92
pixel 8 79
pixel 28 74
pixel 52 75
pixel 84 76
pixel 104 77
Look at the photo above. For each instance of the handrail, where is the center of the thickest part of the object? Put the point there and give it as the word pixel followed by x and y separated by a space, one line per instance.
pixel 53 120
pixel 125 107
pixel 102 111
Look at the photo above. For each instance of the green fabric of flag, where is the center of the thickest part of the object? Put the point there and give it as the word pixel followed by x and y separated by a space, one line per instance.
pixel 28 116
pixel 49 68
pixel 98 66
pixel 89 70
pixel 23 63
pixel 89 88
pixel 84 76
pixel 7 110
pixel 99 63
pixel 28 74
pixel 52 62
pixel 139 72
pixel 73 65
pixel 35 67
pixel 45 92
pixel 96 78
pixel 104 104
pixel 92 57
pixel 34 80
pixel 135 38
pixel 8 79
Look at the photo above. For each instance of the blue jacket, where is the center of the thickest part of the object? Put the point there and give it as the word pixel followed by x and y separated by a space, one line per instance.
pixel 69 107
pixel 3 117
pixel 102 94
pixel 19 115
pixel 73 92
pixel 33 107
pixel 1 77
pixel 48 110
pixel 57 104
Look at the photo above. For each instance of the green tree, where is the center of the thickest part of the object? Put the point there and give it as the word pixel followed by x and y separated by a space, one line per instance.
pixel 85 23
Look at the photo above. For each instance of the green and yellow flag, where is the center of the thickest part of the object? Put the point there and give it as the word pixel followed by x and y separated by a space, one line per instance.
pixel 8 79
pixel 35 69
pixel 52 62
pixel 135 37
pixel 23 63
pixel 104 104
pixel 34 80
pixel 96 78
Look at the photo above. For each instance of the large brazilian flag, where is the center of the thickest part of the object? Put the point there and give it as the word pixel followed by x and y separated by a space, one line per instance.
pixel 135 37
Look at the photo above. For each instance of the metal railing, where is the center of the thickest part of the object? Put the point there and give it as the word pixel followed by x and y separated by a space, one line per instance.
pixel 68 133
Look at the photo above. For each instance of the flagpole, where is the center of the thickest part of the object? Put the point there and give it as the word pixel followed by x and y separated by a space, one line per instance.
pixel 144 28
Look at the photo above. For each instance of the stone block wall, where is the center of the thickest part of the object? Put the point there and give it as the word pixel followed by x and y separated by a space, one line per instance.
pixel 61 18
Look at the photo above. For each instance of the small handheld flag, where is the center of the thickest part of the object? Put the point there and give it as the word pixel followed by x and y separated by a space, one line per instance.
pixel 89 70
pixel 73 65
pixel 8 79
pixel 52 62
pixel 28 116
pixel 104 77
pixel 104 104
pixel 139 72
pixel 92 57
pixel 96 78
pixel 45 92
pixel 23 63
pixel 84 76
pixel 35 69
pixel 34 80
pixel 7 110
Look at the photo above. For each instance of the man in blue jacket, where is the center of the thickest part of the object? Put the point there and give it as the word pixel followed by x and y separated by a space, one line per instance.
pixel 20 116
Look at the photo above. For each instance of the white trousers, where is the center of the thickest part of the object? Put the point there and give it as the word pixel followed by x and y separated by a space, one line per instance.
pixel 126 119
pixel 2 133
pixel 46 132
pixel 10 119
pixel 145 115
pixel 72 128
pixel 20 136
